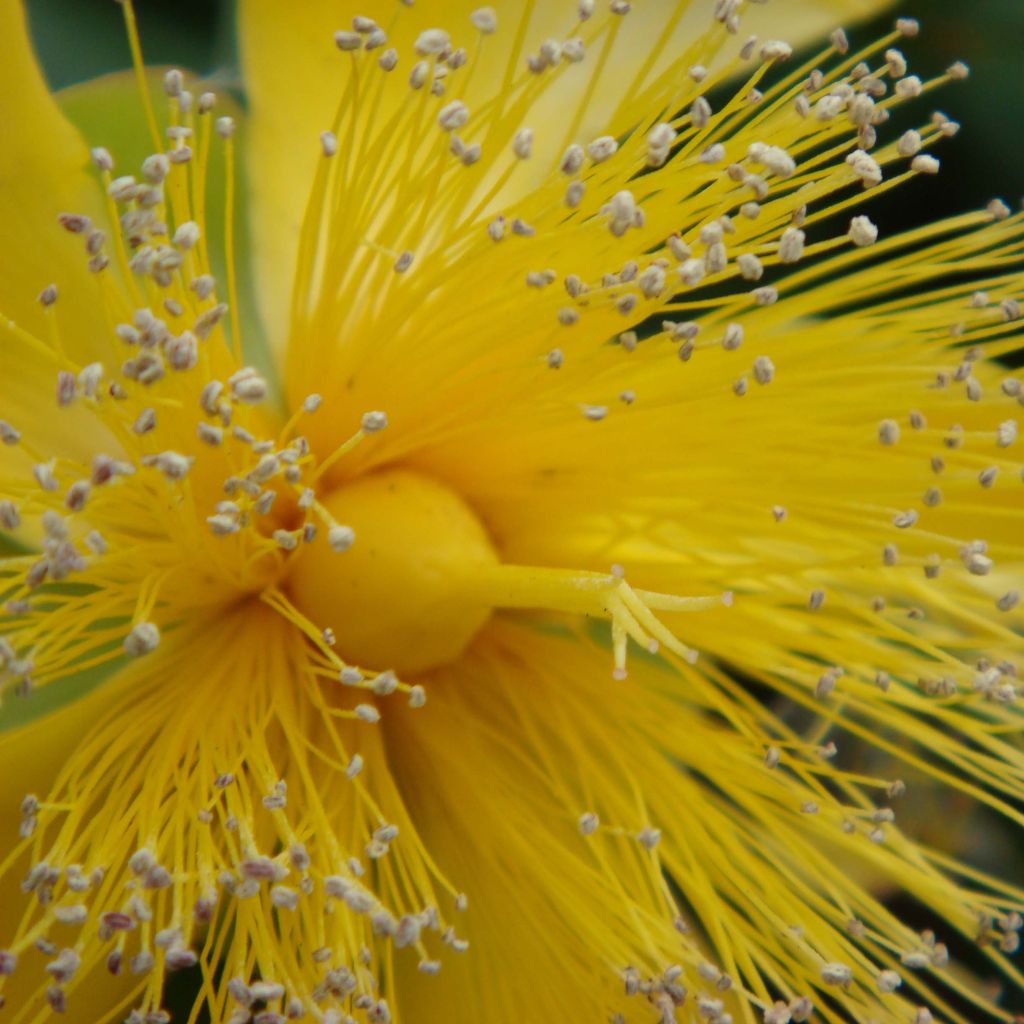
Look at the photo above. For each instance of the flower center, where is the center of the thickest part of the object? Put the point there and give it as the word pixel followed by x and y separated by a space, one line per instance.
pixel 403 596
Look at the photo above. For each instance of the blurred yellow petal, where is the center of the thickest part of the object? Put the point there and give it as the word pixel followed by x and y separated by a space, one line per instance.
pixel 588 816
pixel 44 170
pixel 547 906
pixel 32 756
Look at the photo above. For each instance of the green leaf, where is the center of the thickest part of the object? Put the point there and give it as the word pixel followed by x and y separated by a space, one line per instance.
pixel 16 712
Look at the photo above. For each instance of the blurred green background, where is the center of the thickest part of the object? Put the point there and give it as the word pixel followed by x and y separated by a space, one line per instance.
pixel 78 39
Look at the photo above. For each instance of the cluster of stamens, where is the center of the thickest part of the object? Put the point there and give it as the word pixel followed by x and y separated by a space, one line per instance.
pixel 204 488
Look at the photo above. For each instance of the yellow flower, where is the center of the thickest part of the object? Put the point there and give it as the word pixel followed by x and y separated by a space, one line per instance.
pixel 583 358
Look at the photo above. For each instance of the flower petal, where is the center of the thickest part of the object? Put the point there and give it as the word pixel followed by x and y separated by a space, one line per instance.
pixel 31 758
pixel 43 171
pixel 528 739
pixel 550 921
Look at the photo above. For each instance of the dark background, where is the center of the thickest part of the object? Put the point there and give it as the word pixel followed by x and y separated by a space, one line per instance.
pixel 78 39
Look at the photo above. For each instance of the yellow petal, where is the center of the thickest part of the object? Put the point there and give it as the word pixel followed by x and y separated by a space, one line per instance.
pixel 496 795
pixel 44 170
pixel 526 737
pixel 31 757
pixel 295 79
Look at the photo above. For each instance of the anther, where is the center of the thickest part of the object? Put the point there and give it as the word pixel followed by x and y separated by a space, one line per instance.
pixel 247 386
pixel 485 20
pixel 863 232
pixel 791 245
pixel 836 974
pixel 453 116
pixel 750 266
pixel 347 41
pixel 432 42
pixel 700 112
pixel 763 370
pixel 888 432
pixel 522 144
pixel 340 538
pixel 865 167
pixel 601 149
pixel 373 422
pixel 144 638
pixel 909 87
pixel 101 158
pixel 574 50
pixel 648 837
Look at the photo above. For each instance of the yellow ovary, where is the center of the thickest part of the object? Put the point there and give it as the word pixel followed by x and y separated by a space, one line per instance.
pixel 403 597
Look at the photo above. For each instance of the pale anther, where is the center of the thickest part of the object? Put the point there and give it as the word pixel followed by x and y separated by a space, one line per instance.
pixel 700 112
pixel 247 386
pixel 375 421
pixel 347 41
pixel 862 231
pixel 648 837
pixel 522 143
pixel 601 149
pixel 909 143
pixel 144 638
pixel 776 49
pixel 888 432
pixel 764 370
pixel 749 266
pixel 453 116
pixel 432 42
pixel 102 159
pixel 836 974
pixel 573 50
pixel 485 20
pixel 340 538
pixel 791 245
pixel 909 87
